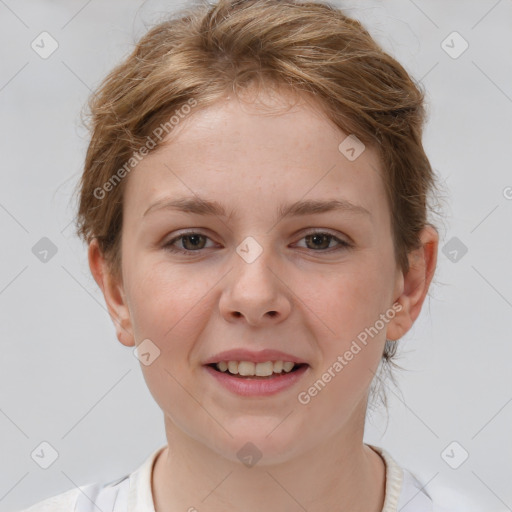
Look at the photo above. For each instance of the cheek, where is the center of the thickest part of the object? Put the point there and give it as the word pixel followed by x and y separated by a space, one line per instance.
pixel 166 303
pixel 343 309
pixel 168 306
pixel 344 301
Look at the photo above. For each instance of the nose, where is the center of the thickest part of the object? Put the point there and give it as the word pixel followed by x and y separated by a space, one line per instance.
pixel 255 293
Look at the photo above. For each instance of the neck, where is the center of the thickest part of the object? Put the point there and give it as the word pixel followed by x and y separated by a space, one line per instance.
pixel 189 476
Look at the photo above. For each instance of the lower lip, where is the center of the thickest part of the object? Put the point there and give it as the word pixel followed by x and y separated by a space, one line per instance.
pixel 248 386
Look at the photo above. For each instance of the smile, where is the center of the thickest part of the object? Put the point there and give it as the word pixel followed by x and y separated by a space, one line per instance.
pixel 248 368
pixel 246 378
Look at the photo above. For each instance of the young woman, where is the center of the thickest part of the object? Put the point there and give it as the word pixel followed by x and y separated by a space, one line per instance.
pixel 255 201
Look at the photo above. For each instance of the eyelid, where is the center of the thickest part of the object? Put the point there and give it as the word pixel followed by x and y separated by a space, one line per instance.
pixel 325 231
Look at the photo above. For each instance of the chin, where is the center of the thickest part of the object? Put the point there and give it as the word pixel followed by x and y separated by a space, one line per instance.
pixel 261 446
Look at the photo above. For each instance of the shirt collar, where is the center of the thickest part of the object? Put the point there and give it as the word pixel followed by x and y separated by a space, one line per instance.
pixel 140 495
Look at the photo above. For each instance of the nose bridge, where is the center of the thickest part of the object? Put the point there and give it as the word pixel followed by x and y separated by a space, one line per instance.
pixel 254 290
pixel 253 266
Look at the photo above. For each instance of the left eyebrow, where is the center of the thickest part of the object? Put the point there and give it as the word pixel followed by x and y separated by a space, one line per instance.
pixel 201 206
pixel 310 207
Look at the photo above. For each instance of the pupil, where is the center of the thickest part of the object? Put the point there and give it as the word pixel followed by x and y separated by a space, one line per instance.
pixel 317 237
pixel 191 238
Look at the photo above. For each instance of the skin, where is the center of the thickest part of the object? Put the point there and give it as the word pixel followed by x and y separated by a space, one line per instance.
pixel 297 296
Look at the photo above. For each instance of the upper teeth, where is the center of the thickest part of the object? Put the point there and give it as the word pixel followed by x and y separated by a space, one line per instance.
pixel 258 369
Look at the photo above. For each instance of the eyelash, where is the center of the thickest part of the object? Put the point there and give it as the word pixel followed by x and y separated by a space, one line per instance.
pixel 343 244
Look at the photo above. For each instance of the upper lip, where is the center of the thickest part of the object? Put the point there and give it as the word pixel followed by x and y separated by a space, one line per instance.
pixel 262 356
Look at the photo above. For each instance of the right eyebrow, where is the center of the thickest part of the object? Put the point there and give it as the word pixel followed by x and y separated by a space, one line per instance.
pixel 195 205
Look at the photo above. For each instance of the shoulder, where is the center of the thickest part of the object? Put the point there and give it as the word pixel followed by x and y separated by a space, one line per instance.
pixel 415 495
pixel 59 502
pixel 86 498
pixel 404 492
pixel 131 492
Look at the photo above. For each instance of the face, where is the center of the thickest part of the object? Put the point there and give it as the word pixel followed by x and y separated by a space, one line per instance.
pixel 307 283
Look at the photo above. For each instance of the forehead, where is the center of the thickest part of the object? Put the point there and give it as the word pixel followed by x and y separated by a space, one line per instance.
pixel 253 121
pixel 275 145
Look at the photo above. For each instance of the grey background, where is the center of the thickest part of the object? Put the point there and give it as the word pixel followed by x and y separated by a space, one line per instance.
pixel 66 380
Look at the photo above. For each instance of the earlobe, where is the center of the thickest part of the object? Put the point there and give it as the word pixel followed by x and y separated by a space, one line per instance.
pixel 422 265
pixel 113 292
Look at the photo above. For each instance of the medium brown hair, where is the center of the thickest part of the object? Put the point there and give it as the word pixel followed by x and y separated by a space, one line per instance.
pixel 203 52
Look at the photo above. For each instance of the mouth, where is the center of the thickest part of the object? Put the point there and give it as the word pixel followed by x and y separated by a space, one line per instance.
pixel 257 371
pixel 247 379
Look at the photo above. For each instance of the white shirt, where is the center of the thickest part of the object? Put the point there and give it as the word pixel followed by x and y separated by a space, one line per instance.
pixel 132 492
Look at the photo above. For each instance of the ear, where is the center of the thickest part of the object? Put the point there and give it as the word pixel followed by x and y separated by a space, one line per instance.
pixel 422 264
pixel 113 292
